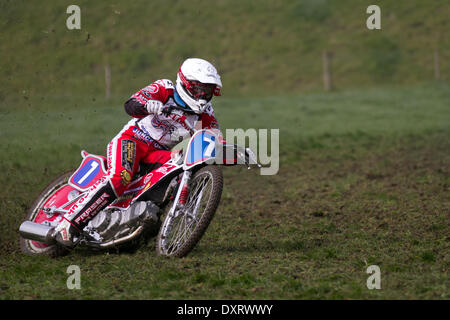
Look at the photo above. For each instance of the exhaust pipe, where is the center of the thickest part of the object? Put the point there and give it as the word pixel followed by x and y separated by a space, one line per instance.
pixel 36 231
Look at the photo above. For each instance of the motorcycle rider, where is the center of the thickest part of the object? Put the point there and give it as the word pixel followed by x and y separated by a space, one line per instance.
pixel 146 140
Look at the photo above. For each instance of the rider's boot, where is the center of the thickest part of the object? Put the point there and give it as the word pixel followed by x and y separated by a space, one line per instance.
pixel 73 222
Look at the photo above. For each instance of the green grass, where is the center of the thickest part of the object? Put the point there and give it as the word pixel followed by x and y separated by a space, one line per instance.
pixel 364 179
pixel 364 172
pixel 262 46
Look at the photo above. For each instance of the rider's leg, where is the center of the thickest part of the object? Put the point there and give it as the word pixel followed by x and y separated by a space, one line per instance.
pixel 124 153
pixel 155 158
pixel 98 197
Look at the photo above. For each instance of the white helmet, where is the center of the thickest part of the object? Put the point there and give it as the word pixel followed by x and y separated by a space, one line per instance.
pixel 197 82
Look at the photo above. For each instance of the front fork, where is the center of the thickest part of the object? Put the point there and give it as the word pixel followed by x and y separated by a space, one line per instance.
pixel 180 198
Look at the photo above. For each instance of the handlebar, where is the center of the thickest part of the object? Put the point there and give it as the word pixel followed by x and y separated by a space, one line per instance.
pixel 168 110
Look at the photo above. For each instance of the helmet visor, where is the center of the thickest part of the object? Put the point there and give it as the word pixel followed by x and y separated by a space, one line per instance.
pixel 201 90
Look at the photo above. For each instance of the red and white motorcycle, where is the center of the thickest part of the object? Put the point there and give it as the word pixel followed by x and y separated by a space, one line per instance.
pixel 177 201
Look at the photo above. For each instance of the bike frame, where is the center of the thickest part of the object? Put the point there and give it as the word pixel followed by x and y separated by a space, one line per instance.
pixel 202 149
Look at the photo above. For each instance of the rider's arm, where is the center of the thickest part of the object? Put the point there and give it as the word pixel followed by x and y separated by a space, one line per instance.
pixel 158 90
pixel 208 119
pixel 135 108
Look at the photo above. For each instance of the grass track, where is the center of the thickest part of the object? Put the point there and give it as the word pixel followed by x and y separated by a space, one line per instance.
pixel 364 179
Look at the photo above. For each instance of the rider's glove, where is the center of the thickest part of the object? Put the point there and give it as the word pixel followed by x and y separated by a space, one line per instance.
pixel 154 106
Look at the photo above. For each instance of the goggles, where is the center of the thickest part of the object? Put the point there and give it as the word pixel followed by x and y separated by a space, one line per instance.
pixel 200 90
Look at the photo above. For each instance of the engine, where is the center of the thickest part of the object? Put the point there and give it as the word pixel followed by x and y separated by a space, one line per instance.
pixel 112 224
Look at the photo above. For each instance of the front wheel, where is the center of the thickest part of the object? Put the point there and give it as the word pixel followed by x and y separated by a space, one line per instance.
pixel 181 230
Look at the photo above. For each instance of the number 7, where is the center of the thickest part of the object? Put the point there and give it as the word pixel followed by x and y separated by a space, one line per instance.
pixel 210 148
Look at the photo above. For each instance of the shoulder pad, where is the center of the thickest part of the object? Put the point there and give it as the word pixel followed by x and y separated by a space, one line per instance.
pixel 165 83
pixel 150 90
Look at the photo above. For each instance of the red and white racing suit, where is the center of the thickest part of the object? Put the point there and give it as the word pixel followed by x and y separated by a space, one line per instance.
pixel 145 140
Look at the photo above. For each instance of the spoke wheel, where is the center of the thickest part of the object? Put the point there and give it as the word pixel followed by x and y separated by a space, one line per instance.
pixel 181 230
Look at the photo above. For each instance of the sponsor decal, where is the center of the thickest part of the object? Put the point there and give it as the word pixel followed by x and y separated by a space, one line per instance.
pixel 51 201
pixel 148 186
pixel 110 153
pixel 171 127
pixel 166 83
pixel 148 178
pixel 163 125
pixel 214 125
pixel 153 88
pixel 146 94
pixel 164 169
pixel 64 235
pixel 179 119
pixel 149 90
pixel 128 154
pixel 133 190
pixel 147 182
pixel 92 210
pixel 141 135
pixel 141 98
pixel 126 177
pixel 145 137
pixel 209 110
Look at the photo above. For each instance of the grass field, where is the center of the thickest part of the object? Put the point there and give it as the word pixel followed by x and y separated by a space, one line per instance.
pixel 364 180
pixel 257 45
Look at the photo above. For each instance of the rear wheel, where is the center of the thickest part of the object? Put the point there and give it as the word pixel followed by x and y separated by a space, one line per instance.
pixel 32 247
pixel 181 231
